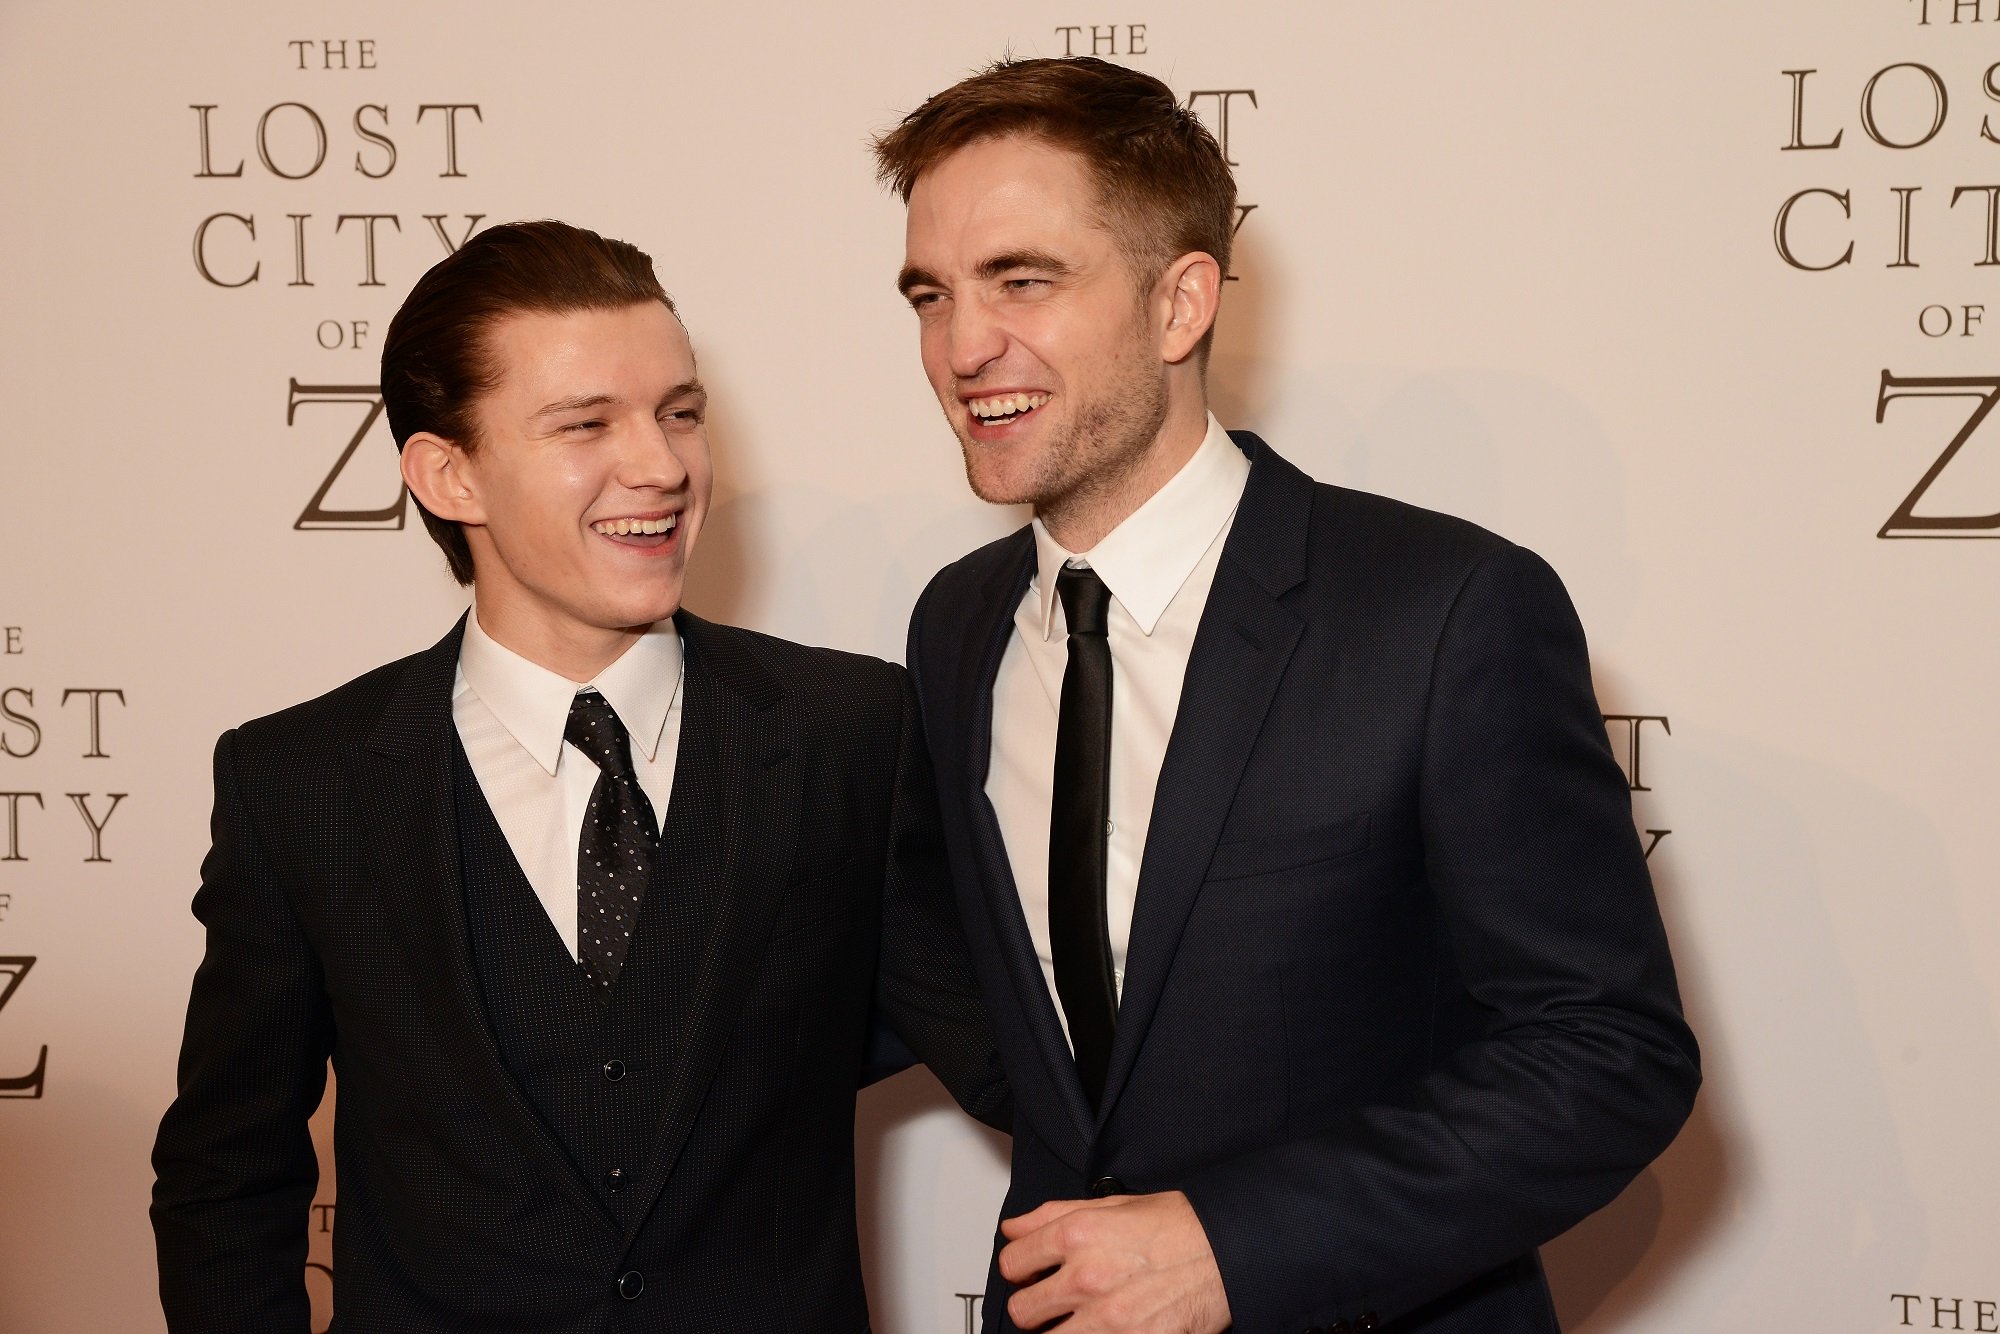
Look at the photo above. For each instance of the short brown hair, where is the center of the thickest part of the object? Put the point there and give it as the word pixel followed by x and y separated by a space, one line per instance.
pixel 1161 178
pixel 435 360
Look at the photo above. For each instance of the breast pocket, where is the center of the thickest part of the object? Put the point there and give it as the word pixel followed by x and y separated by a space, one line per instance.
pixel 1289 850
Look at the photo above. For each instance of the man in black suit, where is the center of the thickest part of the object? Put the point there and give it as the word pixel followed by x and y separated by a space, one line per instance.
pixel 1301 880
pixel 589 904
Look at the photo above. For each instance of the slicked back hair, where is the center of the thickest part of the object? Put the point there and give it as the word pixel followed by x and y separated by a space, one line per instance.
pixel 436 359
pixel 1162 183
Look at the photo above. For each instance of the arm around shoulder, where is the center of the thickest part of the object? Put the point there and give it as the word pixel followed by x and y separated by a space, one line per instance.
pixel 927 988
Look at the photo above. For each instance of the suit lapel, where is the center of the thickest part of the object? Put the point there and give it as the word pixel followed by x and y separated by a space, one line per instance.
pixel 738 742
pixel 987 633
pixel 1241 649
pixel 402 790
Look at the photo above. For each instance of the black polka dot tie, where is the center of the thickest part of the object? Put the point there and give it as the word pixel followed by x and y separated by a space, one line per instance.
pixel 614 857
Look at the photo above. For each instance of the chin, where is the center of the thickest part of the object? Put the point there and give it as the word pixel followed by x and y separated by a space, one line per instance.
pixel 994 482
pixel 637 613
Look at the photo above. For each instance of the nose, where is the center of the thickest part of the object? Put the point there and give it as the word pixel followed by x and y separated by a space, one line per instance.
pixel 976 338
pixel 651 459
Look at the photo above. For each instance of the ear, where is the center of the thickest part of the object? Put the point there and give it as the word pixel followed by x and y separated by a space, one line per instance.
pixel 1192 290
pixel 439 474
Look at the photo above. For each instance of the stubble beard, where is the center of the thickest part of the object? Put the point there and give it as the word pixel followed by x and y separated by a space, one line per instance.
pixel 1088 462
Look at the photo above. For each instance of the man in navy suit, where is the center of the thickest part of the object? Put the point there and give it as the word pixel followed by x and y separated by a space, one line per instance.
pixel 1302 881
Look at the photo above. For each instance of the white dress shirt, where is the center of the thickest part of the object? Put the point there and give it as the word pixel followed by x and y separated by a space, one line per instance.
pixel 511 715
pixel 1158 564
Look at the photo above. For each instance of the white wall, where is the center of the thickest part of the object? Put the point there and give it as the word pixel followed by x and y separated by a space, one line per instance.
pixel 1513 261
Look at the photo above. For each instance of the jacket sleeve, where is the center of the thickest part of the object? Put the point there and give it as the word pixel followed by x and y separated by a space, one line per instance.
pixel 926 988
pixel 234 1162
pixel 1584 1070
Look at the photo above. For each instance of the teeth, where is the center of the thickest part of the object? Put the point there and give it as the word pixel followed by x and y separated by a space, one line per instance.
pixel 1006 405
pixel 628 527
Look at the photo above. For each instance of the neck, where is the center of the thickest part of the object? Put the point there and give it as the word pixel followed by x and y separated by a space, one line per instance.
pixel 578 653
pixel 1085 516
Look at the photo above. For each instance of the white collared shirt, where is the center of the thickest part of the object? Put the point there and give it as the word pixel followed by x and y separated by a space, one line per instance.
pixel 511 715
pixel 1159 564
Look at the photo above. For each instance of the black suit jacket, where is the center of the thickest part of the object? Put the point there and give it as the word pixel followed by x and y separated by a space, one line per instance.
pixel 336 927
pixel 1398 1006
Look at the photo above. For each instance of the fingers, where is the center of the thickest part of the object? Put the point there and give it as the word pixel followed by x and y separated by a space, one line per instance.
pixel 1146 1261
pixel 1027 1257
pixel 1039 1305
pixel 1015 1228
pixel 1055 1262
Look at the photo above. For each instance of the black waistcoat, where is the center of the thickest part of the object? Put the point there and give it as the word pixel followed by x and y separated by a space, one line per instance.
pixel 596 1073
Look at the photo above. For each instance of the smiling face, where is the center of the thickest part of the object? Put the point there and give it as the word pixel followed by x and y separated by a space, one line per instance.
pixel 1052 366
pixel 588 486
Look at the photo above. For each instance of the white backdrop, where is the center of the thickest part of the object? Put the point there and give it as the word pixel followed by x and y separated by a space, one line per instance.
pixel 1520 262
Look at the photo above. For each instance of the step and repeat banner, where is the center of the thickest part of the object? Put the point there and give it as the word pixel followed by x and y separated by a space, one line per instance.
pixel 1698 300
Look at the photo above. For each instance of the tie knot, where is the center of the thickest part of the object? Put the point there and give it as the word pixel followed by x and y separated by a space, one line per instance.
pixel 595 730
pixel 1085 599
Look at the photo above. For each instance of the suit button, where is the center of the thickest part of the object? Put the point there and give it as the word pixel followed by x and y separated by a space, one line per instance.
pixel 1340 1327
pixel 615 1179
pixel 614 1070
pixel 1366 1323
pixel 1104 1186
pixel 631 1285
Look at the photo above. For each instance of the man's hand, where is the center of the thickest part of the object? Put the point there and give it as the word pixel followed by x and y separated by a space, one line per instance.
pixel 1128 1262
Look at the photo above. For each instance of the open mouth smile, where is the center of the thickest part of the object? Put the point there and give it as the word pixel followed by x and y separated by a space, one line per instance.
pixel 1004 409
pixel 645 533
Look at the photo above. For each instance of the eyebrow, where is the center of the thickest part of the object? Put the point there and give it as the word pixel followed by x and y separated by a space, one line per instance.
pixel 1024 259
pixel 575 404
pixel 583 402
pixel 990 269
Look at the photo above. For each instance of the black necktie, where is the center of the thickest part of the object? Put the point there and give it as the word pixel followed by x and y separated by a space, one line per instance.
pixel 1078 932
pixel 614 856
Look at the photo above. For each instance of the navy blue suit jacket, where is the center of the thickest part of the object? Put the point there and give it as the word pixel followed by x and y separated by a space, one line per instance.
pixel 1398 1006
